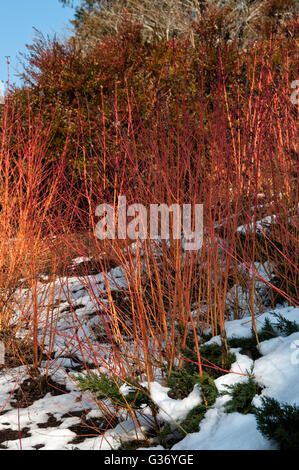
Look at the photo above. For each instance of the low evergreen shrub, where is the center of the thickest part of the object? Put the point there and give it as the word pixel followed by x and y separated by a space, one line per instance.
pixel 284 326
pixel 280 422
pixel 242 395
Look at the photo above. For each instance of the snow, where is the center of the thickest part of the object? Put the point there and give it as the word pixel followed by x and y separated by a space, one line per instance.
pixel 239 371
pixel 260 226
pixel 222 431
pixel 173 411
pixel 50 439
pixel 278 369
pixel 80 260
pixel 79 314
pixel 243 328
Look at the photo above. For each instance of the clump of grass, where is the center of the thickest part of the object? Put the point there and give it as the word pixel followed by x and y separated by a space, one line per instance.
pixel 280 422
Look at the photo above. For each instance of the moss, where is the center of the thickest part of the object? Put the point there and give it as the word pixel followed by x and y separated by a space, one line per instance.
pixel 279 421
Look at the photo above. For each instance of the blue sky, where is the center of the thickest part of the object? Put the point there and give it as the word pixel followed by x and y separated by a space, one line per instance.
pixel 17 19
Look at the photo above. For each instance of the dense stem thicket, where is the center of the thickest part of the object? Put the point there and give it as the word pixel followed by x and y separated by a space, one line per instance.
pixel 160 121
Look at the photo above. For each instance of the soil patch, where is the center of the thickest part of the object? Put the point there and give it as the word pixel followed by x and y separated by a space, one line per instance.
pixel 33 389
pixel 92 427
pixel 51 423
pixel 10 435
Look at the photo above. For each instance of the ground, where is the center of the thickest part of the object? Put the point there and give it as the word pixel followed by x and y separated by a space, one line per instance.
pixel 52 413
